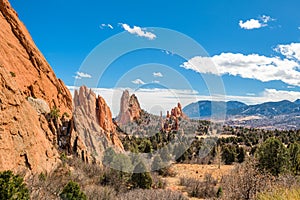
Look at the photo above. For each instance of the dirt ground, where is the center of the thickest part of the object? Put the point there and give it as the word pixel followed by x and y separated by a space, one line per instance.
pixel 194 171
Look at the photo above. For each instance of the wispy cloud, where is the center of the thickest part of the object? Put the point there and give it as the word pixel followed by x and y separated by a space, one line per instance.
pixel 102 26
pixel 291 51
pixel 80 75
pixel 252 66
pixel 155 81
pixel 138 82
pixel 136 30
pixel 255 23
pixel 167 52
pixel 157 74
pixel 265 19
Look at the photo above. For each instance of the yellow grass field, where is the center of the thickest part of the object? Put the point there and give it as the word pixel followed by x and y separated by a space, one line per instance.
pixel 194 171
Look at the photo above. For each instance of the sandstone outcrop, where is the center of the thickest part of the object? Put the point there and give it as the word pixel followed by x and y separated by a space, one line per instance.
pixel 130 109
pixel 171 123
pixel 40 106
pixel 28 134
pixel 95 130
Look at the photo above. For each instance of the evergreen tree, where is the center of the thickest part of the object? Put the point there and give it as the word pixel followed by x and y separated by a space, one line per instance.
pixel 241 154
pixel 12 187
pixel 146 146
pixel 141 178
pixel 294 154
pixel 228 155
pixel 72 192
pixel 272 156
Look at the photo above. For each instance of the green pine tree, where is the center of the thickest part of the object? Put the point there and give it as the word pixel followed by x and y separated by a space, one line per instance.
pixel 141 178
pixel 72 192
pixel 294 154
pixel 272 156
pixel 12 187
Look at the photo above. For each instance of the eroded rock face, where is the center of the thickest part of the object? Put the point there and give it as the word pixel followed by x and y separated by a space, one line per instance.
pixel 129 109
pixel 26 139
pixel 95 130
pixel 171 123
pixel 40 106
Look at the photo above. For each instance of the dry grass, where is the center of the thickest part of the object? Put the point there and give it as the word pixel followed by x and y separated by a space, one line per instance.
pixel 196 172
pixel 281 194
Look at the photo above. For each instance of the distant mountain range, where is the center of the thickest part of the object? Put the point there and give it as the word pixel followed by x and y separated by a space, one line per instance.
pixel 283 114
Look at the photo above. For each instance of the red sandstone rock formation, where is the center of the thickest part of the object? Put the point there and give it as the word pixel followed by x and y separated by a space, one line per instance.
pixel 129 108
pixel 26 141
pixel 95 130
pixel 171 122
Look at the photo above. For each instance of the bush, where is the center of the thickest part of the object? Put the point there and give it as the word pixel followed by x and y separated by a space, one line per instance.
pixel 157 181
pixel 167 171
pixel 244 182
pixel 72 192
pixel 54 113
pixel 13 74
pixel 12 187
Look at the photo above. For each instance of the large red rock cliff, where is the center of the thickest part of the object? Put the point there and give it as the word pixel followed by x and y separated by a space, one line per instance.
pixel 29 89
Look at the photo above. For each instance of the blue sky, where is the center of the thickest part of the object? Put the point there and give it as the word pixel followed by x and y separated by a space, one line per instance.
pixel 253 46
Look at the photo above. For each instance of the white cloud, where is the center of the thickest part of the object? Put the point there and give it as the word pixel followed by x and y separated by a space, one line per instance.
pixel 138 82
pixel 252 66
pixel 165 99
pixel 157 74
pixel 255 23
pixel 265 19
pixel 77 77
pixel 250 24
pixel 80 75
pixel 136 30
pixel 110 26
pixel 155 81
pixel 291 51
pixel 279 95
pixel 102 26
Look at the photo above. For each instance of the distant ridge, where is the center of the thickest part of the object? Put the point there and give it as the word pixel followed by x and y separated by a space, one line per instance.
pixel 282 114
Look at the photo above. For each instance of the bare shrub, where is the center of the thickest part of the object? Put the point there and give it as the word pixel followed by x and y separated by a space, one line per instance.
pixel 157 182
pixel 152 195
pixel 167 171
pixel 198 188
pixel 245 182
pixel 100 193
